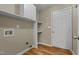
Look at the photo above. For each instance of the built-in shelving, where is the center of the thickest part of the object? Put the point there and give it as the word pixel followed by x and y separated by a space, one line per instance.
pixel 16 16
pixel 39 22
pixel 39 32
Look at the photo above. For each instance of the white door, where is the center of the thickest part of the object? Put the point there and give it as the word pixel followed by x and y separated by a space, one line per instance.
pixel 62 28
pixel 78 32
pixel 75 28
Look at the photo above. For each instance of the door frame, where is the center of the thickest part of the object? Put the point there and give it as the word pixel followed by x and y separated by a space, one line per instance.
pixel 77 30
pixel 74 29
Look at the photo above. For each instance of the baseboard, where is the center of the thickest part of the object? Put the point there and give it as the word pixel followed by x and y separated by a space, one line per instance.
pixel 72 52
pixel 22 52
pixel 35 46
pixel 45 44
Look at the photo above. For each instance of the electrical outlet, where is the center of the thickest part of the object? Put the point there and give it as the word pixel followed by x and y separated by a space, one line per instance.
pixel 30 46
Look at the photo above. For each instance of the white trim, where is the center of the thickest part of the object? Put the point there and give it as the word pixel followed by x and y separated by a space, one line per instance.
pixel 78 30
pixel 72 52
pixel 16 16
pixel 51 27
pixel 22 52
pixel 35 41
pixel 45 44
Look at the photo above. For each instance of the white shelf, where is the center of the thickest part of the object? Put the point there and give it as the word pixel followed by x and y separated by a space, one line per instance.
pixel 16 16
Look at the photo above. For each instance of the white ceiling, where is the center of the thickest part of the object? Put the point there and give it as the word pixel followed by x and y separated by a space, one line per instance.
pixel 44 6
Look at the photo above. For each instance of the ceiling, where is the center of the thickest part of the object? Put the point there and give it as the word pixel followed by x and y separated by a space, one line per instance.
pixel 44 6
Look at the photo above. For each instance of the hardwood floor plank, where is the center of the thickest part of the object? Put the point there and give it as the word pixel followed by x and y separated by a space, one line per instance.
pixel 46 50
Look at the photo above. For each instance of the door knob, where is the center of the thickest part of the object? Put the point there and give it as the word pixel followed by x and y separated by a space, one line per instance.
pixel 76 37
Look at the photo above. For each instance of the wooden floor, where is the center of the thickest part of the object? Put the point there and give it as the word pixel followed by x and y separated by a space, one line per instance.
pixel 46 50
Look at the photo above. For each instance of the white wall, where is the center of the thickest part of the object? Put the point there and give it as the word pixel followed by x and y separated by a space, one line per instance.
pixel 45 18
pixel 17 43
pixel 10 8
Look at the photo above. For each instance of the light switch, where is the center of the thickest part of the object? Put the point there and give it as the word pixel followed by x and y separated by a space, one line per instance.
pixel 17 26
pixel 49 27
